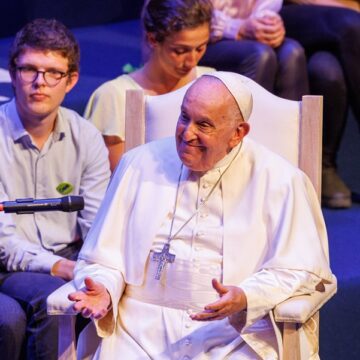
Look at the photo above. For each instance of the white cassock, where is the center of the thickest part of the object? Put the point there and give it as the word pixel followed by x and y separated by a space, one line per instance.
pixel 261 229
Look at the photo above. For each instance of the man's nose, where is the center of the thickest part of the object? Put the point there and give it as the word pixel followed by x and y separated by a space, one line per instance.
pixel 189 132
pixel 40 79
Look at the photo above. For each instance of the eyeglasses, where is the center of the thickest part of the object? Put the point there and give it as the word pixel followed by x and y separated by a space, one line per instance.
pixel 30 74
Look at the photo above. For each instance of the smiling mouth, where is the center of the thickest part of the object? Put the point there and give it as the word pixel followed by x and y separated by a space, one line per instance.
pixel 187 144
pixel 193 145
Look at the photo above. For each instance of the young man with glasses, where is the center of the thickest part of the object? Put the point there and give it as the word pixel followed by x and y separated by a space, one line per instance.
pixel 47 151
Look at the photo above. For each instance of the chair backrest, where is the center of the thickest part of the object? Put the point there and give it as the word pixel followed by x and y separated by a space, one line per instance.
pixel 291 129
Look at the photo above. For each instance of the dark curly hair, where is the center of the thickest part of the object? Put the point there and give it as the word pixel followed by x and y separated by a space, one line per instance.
pixel 47 35
pixel 164 17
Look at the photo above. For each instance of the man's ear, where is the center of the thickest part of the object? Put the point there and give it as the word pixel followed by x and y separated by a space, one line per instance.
pixel 241 131
pixel 72 80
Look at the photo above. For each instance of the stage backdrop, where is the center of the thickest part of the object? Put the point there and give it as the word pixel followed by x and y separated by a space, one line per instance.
pixel 73 13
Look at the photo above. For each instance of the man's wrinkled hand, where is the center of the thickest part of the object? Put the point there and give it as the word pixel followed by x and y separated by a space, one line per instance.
pixel 93 301
pixel 232 300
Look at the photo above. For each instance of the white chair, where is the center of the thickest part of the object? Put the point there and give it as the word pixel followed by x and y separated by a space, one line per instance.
pixel 289 128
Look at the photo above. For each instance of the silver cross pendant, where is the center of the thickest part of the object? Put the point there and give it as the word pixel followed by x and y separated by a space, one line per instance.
pixel 162 258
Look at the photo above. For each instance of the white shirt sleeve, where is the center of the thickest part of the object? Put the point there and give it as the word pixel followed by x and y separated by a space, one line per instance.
pixel 94 180
pixel 16 252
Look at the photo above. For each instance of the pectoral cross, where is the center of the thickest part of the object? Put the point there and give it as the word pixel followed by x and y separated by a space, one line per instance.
pixel 163 258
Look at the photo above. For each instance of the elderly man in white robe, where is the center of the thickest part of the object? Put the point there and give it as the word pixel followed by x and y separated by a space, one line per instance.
pixel 199 237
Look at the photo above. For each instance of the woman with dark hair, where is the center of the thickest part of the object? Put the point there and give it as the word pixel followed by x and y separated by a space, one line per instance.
pixel 176 34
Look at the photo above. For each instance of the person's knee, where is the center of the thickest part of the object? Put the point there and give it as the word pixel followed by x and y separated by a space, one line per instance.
pixel 262 65
pixel 349 26
pixel 264 56
pixel 247 57
pixel 325 69
pixel 12 319
pixel 292 55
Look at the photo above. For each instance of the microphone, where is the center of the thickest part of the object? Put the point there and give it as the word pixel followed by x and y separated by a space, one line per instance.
pixel 29 205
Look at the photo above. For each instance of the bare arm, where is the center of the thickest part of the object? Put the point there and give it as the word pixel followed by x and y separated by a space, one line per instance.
pixel 116 149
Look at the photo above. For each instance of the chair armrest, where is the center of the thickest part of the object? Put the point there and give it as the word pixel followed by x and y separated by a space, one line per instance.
pixel 299 309
pixel 58 302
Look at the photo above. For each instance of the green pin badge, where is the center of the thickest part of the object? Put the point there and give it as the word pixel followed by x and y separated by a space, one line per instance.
pixel 64 188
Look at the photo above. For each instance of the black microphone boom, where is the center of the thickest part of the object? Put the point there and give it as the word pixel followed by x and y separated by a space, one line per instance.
pixel 29 205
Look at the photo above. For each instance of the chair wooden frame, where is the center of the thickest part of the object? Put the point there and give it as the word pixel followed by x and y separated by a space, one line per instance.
pixel 310 131
pixel 290 315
